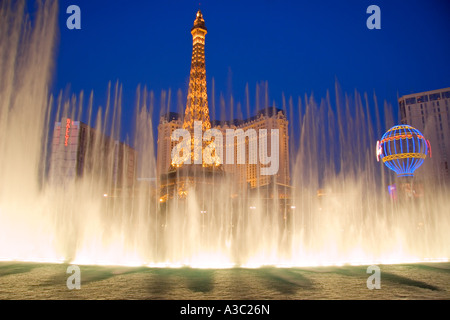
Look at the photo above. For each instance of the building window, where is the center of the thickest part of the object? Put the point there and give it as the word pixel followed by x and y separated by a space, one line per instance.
pixel 422 98
pixel 410 101
pixel 435 96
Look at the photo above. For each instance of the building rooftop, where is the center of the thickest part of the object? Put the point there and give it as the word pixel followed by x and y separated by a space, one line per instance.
pixel 424 92
pixel 268 112
pixel 170 116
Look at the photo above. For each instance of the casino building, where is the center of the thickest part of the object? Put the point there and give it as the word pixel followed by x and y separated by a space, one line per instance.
pixel 245 176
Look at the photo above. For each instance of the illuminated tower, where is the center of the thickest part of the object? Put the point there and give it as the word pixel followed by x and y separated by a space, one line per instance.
pixel 194 169
pixel 196 118
pixel 197 100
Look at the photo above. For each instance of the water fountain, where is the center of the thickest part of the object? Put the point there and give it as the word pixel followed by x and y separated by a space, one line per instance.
pixel 351 220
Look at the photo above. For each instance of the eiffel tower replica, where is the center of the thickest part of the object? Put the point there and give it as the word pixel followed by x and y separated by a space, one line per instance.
pixel 200 172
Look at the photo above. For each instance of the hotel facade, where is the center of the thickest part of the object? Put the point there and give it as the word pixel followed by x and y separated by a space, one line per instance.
pixel 429 113
pixel 78 149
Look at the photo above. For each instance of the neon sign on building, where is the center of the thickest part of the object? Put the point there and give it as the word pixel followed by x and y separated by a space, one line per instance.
pixel 66 137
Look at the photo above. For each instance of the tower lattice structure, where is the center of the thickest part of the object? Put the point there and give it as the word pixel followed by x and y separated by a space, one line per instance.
pixel 197 100
pixel 197 109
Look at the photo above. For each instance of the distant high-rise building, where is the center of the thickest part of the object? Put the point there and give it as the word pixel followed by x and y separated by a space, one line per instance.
pixel 77 149
pixel 245 175
pixel 429 113
pixel 167 124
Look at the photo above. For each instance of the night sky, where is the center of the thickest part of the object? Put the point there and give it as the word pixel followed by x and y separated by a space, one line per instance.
pixel 298 47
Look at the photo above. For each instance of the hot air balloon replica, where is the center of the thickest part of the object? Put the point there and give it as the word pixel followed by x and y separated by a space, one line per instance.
pixel 403 149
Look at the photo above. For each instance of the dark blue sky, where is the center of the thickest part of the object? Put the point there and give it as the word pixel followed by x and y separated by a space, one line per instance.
pixel 297 46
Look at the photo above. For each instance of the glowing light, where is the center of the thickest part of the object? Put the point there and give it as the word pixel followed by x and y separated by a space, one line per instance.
pixel 379 151
pixel 66 137
pixel 392 191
